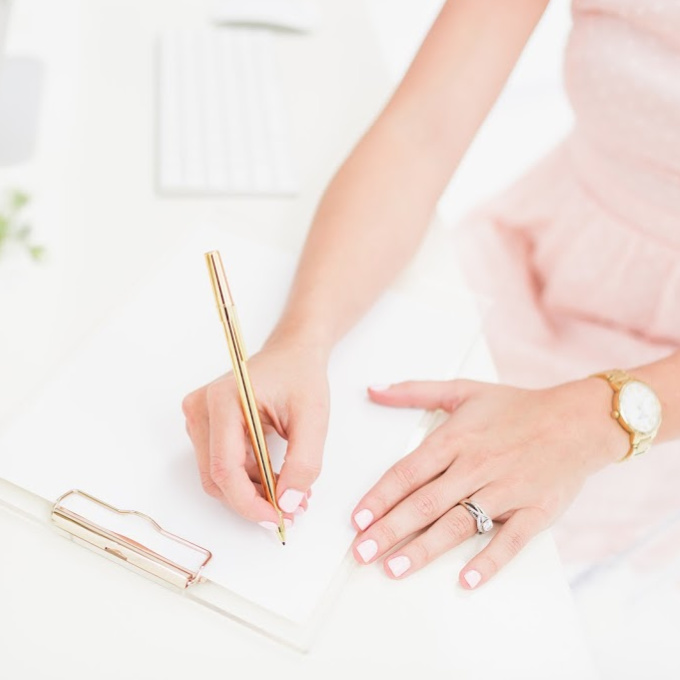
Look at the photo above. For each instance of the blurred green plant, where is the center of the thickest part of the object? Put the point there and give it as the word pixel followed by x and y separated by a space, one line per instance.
pixel 14 227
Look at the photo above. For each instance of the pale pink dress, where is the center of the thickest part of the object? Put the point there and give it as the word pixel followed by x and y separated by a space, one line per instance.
pixel 582 256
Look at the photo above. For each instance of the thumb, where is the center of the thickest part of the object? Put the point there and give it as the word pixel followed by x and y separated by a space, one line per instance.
pixel 426 394
pixel 302 464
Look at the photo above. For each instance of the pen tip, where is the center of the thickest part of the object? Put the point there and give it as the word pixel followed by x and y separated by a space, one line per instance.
pixel 282 531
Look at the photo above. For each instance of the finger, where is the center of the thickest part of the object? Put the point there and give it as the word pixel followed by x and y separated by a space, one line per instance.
pixel 421 509
pixel 274 526
pixel 420 466
pixel 199 432
pixel 252 468
pixel 302 464
pixel 446 533
pixel 289 517
pixel 228 451
pixel 426 394
pixel 255 477
pixel 304 505
pixel 517 531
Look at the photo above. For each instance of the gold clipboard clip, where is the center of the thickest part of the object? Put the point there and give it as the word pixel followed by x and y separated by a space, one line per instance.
pixel 125 548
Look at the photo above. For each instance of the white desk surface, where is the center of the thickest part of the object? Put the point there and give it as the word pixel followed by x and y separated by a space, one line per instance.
pixel 65 613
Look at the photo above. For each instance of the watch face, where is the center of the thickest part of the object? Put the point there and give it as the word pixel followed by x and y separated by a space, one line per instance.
pixel 640 407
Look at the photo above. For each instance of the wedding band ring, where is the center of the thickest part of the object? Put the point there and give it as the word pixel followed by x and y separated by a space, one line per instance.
pixel 484 522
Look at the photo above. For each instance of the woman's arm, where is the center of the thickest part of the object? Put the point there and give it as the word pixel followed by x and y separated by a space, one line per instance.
pixel 377 208
pixel 368 225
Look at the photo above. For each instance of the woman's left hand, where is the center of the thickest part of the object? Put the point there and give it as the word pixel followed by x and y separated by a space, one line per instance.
pixel 521 455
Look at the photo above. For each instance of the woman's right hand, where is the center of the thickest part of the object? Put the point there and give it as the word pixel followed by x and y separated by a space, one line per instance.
pixel 290 383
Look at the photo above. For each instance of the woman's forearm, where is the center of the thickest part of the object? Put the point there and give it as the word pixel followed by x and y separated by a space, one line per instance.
pixel 376 210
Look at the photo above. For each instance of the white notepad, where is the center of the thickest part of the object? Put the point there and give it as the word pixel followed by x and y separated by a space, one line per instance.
pixel 110 422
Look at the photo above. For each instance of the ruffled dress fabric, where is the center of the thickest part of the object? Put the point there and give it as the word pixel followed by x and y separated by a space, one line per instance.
pixel 581 258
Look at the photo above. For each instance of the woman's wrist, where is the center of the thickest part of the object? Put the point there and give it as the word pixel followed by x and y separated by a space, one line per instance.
pixel 615 441
pixel 301 335
pixel 584 414
pixel 647 413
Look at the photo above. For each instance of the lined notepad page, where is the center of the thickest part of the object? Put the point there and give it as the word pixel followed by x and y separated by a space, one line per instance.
pixel 111 423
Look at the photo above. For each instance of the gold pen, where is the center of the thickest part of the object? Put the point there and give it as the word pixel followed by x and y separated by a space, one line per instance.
pixel 237 351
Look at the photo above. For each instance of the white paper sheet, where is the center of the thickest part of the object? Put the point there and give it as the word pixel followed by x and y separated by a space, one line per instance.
pixel 111 424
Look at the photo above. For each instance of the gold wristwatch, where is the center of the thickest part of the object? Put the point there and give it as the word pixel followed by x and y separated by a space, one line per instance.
pixel 636 408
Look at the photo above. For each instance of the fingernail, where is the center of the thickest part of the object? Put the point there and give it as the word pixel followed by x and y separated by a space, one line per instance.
pixel 472 578
pixel 379 388
pixel 300 511
pixel 367 549
pixel 363 518
pixel 272 526
pixel 290 500
pixel 399 565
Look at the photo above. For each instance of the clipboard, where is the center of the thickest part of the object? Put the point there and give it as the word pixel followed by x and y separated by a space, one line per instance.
pixel 162 567
pixel 94 500
pixel 183 579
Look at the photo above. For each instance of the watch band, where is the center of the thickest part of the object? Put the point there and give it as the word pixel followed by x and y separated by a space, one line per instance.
pixel 639 442
pixel 616 378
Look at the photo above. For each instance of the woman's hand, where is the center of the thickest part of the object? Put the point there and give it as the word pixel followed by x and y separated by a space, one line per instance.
pixel 289 380
pixel 522 455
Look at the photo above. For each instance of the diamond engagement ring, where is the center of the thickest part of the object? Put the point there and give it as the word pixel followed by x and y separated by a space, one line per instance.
pixel 484 522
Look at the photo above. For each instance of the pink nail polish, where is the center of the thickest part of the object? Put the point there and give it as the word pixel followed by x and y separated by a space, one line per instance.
pixel 399 565
pixel 363 518
pixel 367 550
pixel 290 500
pixel 472 578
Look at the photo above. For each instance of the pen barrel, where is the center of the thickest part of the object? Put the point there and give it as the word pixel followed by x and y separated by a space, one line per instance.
pixel 248 405
pixel 237 352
